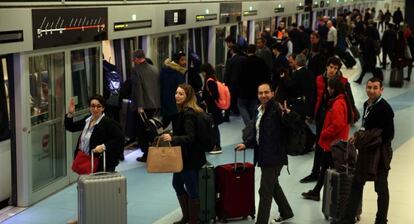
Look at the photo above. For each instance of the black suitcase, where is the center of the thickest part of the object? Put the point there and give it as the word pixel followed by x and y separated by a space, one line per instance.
pixel 336 190
pixel 397 77
pixel 207 192
pixel 347 58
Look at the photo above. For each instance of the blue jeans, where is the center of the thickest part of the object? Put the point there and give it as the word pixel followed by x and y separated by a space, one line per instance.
pixel 186 182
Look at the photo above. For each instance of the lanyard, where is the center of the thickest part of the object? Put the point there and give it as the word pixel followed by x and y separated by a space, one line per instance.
pixel 368 110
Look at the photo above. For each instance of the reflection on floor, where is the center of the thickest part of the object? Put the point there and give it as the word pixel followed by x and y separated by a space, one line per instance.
pixel 151 198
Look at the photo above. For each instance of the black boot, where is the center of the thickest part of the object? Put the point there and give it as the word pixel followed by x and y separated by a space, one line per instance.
pixel 193 210
pixel 183 199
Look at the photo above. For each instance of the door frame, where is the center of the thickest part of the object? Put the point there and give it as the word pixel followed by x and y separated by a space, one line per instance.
pixel 25 195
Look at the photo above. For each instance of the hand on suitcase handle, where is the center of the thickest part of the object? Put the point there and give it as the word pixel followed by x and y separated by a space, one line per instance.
pixel 240 147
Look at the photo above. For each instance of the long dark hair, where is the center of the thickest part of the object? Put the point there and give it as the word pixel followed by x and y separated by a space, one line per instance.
pixel 209 70
pixel 339 88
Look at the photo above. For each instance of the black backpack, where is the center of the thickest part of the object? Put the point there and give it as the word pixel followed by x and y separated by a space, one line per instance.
pixel 205 131
pixel 112 83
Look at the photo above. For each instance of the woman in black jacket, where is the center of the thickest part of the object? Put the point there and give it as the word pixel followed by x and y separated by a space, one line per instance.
pixel 210 95
pixel 99 133
pixel 185 183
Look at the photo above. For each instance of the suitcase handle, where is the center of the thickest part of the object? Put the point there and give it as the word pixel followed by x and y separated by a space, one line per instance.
pixel 104 162
pixel 235 160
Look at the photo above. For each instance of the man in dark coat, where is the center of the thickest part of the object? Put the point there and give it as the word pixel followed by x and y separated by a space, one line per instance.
pixel 397 18
pixel 389 38
pixel 254 72
pixel 378 114
pixel 269 152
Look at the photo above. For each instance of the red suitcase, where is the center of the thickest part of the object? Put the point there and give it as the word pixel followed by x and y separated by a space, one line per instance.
pixel 235 190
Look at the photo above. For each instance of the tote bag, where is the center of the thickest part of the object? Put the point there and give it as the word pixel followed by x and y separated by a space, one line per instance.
pixel 164 159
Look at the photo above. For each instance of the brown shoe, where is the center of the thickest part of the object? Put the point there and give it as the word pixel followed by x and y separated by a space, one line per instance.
pixel 72 221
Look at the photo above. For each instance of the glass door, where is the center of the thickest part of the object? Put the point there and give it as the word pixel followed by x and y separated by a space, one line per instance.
pixel 5 146
pixel 47 107
pixel 160 50
pixel 44 149
pixel 165 46
pixel 85 82
pixel 220 51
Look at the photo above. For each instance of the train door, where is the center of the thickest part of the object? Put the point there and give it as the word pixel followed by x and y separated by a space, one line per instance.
pixel 44 149
pixel 5 132
pixel 166 45
pixel 305 20
pixel 220 33
pixel 199 42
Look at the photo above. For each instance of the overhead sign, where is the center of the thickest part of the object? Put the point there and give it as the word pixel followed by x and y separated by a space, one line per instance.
pixel 322 4
pixel 279 10
pixel 57 27
pixel 230 12
pixel 174 17
pixel 206 17
pixel 11 36
pixel 132 25
pixel 250 13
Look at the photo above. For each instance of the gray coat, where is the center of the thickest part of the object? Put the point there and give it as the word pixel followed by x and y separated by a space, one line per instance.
pixel 145 87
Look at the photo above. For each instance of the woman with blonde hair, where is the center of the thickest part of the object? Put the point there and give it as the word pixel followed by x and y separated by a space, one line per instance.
pixel 185 183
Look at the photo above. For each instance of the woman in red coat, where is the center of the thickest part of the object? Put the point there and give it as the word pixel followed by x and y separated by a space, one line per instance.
pixel 335 127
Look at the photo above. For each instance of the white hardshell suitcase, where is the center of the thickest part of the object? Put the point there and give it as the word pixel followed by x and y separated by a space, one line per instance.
pixel 102 198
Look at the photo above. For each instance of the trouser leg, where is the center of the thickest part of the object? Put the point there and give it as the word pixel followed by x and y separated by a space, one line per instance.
pixel 267 182
pixel 381 187
pixel 279 196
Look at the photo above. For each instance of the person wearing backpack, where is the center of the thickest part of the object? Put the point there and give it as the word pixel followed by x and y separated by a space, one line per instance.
pixel 184 134
pixel 210 96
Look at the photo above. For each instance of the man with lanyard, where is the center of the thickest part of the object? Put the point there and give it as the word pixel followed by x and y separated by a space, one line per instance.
pixel 378 114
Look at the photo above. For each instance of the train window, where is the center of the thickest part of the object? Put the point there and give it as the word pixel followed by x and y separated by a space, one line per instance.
pixel 43 70
pixel 4 101
pixel 179 43
pixel 160 50
pixel 85 75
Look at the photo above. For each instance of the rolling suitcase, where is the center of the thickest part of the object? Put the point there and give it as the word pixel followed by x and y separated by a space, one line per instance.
pixel 102 198
pixel 397 77
pixel 235 189
pixel 207 192
pixel 336 190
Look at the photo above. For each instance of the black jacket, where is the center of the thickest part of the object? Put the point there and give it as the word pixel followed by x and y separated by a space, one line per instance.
pixel 184 135
pixel 254 72
pixel 271 149
pixel 107 132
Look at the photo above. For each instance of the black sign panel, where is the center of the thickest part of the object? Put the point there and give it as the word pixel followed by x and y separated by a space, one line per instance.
pixel 279 10
pixel 174 17
pixel 300 7
pixel 206 17
pixel 58 27
pixel 322 4
pixel 132 25
pixel 230 12
pixel 11 36
pixel 250 13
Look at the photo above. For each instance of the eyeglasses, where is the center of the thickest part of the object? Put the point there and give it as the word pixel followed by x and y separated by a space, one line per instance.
pixel 95 106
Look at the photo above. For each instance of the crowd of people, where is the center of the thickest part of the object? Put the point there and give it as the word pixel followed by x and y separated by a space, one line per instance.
pixel 293 73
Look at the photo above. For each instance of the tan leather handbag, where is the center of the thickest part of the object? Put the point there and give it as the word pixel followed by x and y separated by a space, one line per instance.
pixel 164 159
